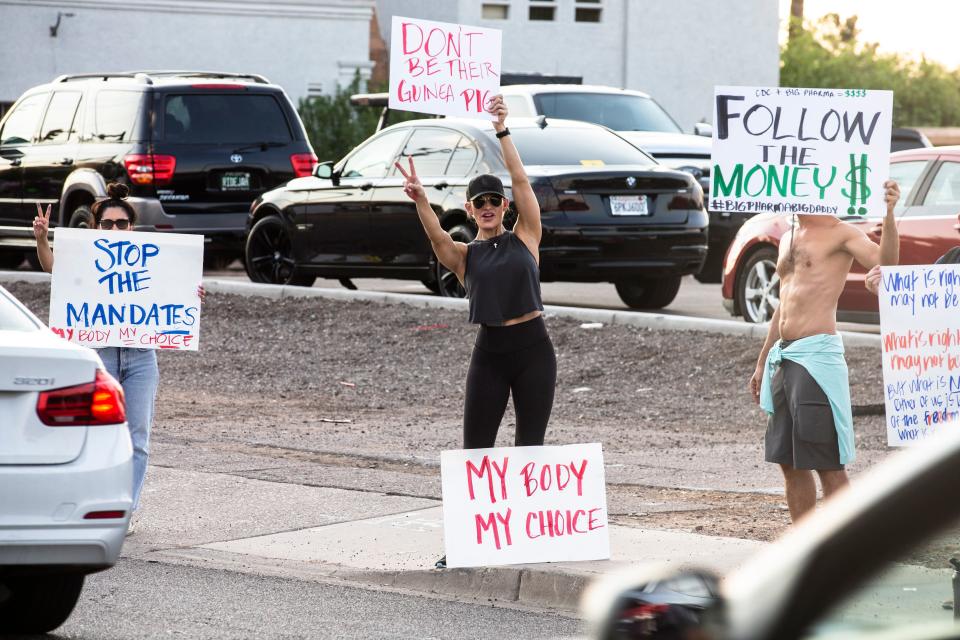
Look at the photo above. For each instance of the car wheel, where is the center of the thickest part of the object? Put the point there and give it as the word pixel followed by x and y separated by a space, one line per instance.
pixel 648 293
pixel 269 255
pixel 447 283
pixel 431 284
pixel 82 217
pixel 38 604
pixel 758 286
pixel 10 260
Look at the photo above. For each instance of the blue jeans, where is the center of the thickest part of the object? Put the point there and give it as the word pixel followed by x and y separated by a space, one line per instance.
pixel 136 370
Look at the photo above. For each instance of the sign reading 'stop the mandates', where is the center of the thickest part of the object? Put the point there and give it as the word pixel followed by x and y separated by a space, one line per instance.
pixel 804 151
pixel 442 68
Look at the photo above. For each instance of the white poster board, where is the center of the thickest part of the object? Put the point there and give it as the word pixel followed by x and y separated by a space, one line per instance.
pixel 443 68
pixel 127 288
pixel 514 505
pixel 920 343
pixel 803 151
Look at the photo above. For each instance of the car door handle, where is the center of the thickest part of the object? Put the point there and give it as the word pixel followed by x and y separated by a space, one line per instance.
pixel 366 186
pixel 67 162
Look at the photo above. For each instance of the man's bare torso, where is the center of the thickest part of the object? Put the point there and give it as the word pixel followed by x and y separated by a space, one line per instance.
pixel 813 266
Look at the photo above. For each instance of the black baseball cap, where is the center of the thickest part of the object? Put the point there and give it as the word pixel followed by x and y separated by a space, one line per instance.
pixel 485 184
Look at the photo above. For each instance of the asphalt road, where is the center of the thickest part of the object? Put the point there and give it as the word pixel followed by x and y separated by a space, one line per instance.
pixel 139 599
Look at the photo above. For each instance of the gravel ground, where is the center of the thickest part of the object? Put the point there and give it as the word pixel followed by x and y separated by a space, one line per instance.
pixel 280 373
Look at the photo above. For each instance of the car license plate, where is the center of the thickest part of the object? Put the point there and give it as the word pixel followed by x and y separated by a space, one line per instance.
pixel 629 206
pixel 235 182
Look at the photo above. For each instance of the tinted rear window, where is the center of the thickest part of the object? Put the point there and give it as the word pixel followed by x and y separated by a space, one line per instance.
pixel 224 118
pixel 588 147
pixel 620 112
pixel 12 318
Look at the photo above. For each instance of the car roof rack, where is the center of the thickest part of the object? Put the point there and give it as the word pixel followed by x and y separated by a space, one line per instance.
pixel 133 75
pixel 259 79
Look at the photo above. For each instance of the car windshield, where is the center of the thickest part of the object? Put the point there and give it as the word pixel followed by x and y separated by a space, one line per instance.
pixel 575 145
pixel 12 317
pixel 224 118
pixel 618 111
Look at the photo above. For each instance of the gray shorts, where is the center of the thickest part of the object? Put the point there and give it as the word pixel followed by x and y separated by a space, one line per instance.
pixel 801 431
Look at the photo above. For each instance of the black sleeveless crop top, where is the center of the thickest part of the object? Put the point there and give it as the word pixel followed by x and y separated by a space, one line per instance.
pixel 502 279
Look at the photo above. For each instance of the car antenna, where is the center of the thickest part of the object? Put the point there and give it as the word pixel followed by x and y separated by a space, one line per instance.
pixel 542 122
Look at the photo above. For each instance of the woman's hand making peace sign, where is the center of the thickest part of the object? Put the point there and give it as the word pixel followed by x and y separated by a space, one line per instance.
pixel 411 183
pixel 41 223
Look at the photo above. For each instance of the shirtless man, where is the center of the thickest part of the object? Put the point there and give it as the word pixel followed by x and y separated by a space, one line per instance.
pixel 801 375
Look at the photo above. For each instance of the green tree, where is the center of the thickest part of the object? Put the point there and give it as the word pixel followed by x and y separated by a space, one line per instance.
pixel 830 54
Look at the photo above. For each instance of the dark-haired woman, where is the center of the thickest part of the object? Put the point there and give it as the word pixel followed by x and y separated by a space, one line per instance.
pixel 501 273
pixel 135 369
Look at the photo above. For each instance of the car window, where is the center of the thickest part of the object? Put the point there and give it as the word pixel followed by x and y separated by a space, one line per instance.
pixel 915 589
pixel 12 317
pixel 376 157
pixel 464 156
pixel 570 146
pixel 231 118
pixel 620 112
pixel 431 150
pixel 58 124
pixel 22 122
pixel 945 188
pixel 114 116
pixel 907 175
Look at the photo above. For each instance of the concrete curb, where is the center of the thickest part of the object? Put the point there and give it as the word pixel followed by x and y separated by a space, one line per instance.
pixel 605 316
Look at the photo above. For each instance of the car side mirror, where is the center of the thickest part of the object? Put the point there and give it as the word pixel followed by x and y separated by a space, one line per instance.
pixel 324 170
pixel 703 129
pixel 657 604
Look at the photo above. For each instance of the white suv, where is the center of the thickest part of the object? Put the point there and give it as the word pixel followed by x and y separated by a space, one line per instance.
pixel 65 471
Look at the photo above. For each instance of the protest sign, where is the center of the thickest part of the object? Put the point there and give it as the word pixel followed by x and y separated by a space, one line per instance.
pixel 127 289
pixel 443 68
pixel 514 505
pixel 920 343
pixel 803 151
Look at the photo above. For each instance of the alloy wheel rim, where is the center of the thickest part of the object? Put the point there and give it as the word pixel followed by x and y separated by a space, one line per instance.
pixel 762 291
pixel 271 259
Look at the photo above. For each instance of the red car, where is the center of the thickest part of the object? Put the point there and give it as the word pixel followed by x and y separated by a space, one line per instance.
pixel 928 218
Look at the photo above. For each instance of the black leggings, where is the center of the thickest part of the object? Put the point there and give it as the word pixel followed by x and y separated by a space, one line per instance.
pixel 517 358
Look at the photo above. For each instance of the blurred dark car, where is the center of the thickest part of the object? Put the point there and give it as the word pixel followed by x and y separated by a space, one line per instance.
pixel 609 212
pixel 928 220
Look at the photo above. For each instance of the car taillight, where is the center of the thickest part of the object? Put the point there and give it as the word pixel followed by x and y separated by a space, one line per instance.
pixel 303 164
pixel 93 403
pixel 546 198
pixel 150 168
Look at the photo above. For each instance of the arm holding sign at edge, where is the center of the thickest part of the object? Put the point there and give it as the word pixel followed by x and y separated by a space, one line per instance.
pixel 41 225
pixel 887 253
pixel 528 209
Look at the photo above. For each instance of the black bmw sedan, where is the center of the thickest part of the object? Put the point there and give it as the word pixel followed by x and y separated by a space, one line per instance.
pixel 610 213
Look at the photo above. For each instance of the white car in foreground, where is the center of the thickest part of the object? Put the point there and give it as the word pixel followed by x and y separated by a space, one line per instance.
pixel 65 471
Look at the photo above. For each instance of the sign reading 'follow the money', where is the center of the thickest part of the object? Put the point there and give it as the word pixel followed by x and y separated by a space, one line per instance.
pixel 804 151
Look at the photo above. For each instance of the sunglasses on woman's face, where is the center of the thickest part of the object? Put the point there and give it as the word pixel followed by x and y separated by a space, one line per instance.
pixel 110 224
pixel 480 201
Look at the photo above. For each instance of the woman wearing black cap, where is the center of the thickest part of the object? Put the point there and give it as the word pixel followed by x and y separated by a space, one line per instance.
pixel 501 273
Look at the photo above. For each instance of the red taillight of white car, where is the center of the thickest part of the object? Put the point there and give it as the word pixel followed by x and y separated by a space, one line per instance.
pixel 94 403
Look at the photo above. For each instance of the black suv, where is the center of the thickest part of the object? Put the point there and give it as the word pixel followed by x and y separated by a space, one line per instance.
pixel 196 148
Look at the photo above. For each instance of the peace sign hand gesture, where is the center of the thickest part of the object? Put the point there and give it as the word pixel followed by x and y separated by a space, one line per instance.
pixel 41 223
pixel 411 183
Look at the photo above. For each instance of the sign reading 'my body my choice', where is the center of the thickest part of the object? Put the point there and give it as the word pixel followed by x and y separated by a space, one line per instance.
pixel 804 151
pixel 443 68
pixel 127 289
pixel 920 342
pixel 514 505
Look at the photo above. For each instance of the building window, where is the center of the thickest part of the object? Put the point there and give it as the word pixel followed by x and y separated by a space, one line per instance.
pixel 543 10
pixel 491 11
pixel 588 11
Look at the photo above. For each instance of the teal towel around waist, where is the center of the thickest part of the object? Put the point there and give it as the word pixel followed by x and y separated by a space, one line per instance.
pixel 822 356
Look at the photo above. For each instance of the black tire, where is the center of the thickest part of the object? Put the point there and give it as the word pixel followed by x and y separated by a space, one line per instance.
pixel 269 255
pixel 38 604
pixel 648 293
pixel 33 261
pixel 447 283
pixel 82 217
pixel 758 286
pixel 432 284
pixel 10 260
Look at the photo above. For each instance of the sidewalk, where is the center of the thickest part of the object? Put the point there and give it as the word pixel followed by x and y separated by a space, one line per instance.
pixel 315 533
